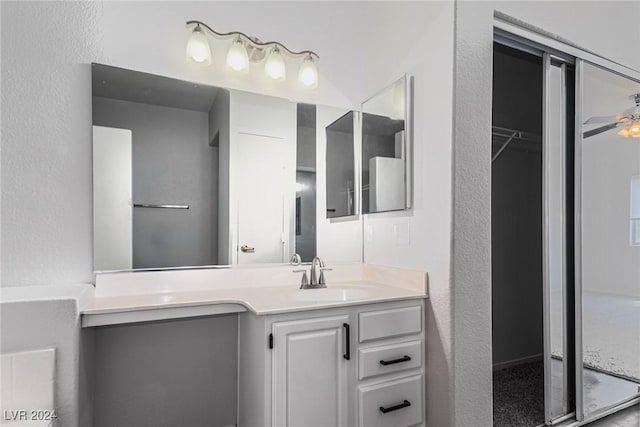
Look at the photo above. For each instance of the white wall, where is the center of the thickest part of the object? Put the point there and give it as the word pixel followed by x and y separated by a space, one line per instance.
pixel 471 159
pixel 425 32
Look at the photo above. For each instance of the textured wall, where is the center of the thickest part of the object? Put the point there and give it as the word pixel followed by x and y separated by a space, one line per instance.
pixel 46 134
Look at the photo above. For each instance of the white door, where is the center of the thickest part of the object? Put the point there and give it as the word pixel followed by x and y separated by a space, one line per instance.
pixel 310 377
pixel 112 210
pixel 261 184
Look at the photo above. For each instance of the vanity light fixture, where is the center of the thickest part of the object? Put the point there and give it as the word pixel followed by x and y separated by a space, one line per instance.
pixel 246 50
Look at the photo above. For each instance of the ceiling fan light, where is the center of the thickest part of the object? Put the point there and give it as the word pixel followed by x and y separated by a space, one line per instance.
pixel 274 67
pixel 238 58
pixel 198 49
pixel 631 131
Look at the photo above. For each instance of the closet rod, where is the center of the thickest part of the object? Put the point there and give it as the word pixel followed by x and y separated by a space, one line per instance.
pixel 511 134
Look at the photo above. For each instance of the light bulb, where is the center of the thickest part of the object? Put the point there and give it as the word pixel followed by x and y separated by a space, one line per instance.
pixel 198 49
pixel 238 58
pixel 274 67
pixel 632 130
pixel 308 74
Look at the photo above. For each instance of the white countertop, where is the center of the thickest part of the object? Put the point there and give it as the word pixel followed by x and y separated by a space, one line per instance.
pixel 131 297
pixel 261 300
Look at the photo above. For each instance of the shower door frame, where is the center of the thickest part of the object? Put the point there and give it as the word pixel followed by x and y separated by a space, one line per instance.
pixel 515 33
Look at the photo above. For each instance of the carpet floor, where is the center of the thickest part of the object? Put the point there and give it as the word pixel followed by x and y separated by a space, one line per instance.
pixel 518 396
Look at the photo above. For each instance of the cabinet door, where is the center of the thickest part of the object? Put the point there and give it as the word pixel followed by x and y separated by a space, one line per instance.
pixel 310 375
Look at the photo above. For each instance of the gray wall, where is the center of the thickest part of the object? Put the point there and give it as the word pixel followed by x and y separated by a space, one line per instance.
pixel 516 239
pixel 306 147
pixel 172 164
pixel 516 209
pixel 220 121
pixel 165 374
pixel 306 240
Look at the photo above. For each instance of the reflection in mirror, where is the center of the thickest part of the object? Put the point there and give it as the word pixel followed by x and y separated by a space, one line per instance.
pixel 192 175
pixel 385 149
pixel 341 167
pixel 610 260
pixel 306 183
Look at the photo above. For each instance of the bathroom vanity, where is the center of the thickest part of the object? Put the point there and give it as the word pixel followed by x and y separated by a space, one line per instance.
pixel 346 355
pixel 357 365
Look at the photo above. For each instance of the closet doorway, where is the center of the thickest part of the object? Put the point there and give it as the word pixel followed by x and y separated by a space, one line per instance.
pixel 565 245
pixel 517 235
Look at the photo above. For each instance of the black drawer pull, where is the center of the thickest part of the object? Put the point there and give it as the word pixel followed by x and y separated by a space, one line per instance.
pixel 391 362
pixel 347 332
pixel 396 407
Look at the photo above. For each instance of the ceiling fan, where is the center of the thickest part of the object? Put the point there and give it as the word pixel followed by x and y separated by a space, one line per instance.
pixel 629 121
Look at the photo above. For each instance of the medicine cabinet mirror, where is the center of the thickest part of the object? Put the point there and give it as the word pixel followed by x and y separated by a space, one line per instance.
pixel 386 149
pixel 188 175
pixel 341 167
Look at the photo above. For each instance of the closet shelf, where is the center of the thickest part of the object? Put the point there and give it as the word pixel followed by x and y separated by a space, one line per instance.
pixel 505 136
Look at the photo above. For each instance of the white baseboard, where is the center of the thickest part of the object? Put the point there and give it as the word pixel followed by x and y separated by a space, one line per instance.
pixel 514 362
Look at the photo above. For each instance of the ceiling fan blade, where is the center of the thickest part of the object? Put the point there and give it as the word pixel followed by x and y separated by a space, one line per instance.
pixel 602 119
pixel 601 129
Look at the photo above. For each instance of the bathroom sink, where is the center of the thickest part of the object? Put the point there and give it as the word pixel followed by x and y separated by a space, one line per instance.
pixel 332 294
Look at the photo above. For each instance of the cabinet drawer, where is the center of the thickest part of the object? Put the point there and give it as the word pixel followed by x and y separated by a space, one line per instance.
pixel 395 403
pixel 375 325
pixel 389 358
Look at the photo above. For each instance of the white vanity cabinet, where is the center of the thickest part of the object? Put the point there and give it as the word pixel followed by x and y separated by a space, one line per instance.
pixel 310 371
pixel 360 365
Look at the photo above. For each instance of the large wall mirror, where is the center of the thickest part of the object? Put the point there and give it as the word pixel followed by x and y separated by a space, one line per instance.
pixel 194 175
pixel 386 149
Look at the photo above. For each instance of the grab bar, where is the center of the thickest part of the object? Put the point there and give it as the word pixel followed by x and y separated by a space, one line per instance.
pixel 141 205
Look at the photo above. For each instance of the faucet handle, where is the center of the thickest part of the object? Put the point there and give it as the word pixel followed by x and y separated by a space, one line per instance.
pixel 321 280
pixel 304 282
pixel 295 259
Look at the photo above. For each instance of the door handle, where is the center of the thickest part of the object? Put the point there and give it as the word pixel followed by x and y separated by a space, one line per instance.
pixel 247 249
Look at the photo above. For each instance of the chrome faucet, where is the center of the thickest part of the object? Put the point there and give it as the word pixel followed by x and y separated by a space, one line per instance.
pixel 317 281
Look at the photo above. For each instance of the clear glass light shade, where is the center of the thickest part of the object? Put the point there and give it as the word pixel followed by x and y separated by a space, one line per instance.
pixel 274 67
pixel 238 58
pixel 632 130
pixel 308 74
pixel 198 49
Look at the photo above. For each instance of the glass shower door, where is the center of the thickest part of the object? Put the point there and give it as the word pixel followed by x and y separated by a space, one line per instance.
pixel 607 253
